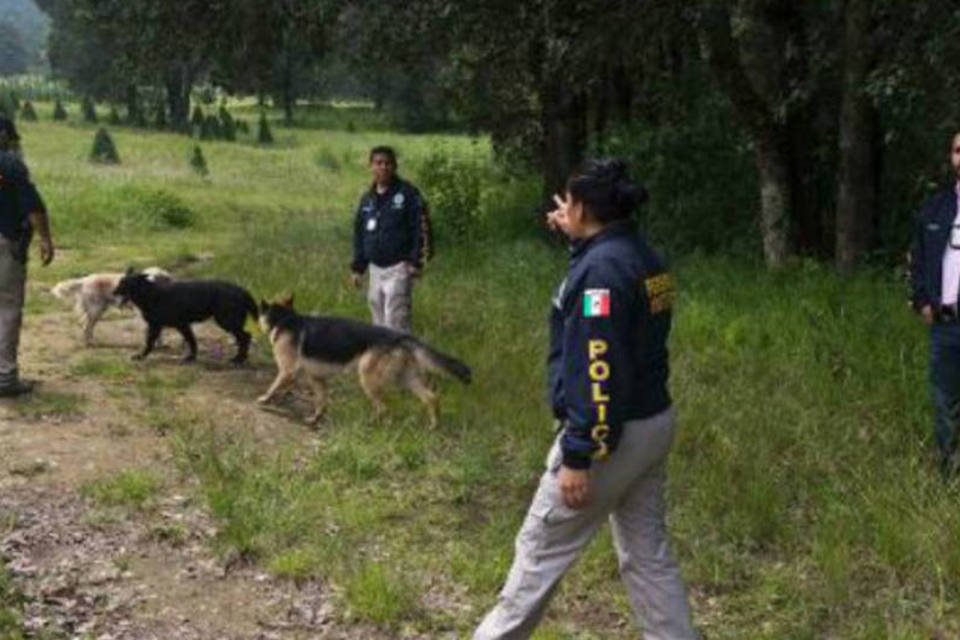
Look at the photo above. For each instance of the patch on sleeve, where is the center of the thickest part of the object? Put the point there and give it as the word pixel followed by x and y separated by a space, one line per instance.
pixel 596 303
pixel 660 292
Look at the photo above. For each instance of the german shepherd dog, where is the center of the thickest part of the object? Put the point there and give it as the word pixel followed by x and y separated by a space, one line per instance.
pixel 181 303
pixel 93 295
pixel 322 346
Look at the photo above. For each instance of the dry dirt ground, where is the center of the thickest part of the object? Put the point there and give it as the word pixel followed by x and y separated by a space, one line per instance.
pixel 91 572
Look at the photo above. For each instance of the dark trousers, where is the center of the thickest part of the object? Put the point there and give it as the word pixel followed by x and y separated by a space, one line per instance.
pixel 945 385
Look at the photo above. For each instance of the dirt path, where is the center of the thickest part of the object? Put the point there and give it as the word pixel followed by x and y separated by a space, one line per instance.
pixel 99 573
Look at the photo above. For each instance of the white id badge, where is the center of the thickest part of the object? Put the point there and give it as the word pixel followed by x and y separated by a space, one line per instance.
pixel 372 224
pixel 955 236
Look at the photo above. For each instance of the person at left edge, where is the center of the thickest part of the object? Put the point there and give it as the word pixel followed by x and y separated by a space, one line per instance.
pixel 389 239
pixel 22 212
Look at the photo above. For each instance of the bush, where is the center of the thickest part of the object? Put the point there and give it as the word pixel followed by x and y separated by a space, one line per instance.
pixel 452 186
pixel 114 117
pixel 264 136
pixel 160 209
pixel 27 112
pixel 197 118
pixel 104 150
pixel 210 130
pixel 243 126
pixel 7 105
pixel 160 116
pixel 198 163
pixel 89 110
pixel 228 128
pixel 59 113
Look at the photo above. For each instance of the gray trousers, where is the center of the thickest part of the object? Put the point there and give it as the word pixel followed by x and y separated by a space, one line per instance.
pixel 13 275
pixel 390 296
pixel 628 488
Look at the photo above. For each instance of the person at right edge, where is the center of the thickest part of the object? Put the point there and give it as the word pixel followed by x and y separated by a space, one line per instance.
pixel 608 370
pixel 21 213
pixel 934 284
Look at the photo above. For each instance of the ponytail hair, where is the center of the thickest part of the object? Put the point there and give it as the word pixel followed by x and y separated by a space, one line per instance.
pixel 606 190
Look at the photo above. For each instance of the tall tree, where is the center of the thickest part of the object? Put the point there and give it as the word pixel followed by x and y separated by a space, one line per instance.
pixel 14 57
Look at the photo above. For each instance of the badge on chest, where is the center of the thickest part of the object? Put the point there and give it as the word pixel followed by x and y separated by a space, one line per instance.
pixel 372 224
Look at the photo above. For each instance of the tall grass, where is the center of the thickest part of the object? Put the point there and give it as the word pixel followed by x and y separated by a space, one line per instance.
pixel 802 500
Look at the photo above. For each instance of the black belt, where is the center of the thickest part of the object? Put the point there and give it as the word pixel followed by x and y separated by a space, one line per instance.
pixel 947 313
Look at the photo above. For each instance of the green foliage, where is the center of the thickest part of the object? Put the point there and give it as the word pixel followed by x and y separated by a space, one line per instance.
pixel 11 608
pixel 243 126
pixel 132 489
pixel 34 87
pixel 451 184
pixel 104 150
pixel 380 595
pixel 227 126
pixel 197 118
pixel 89 109
pixel 7 107
pixel 27 112
pixel 209 129
pixel 264 135
pixel 160 209
pixel 59 112
pixel 113 119
pixel 160 116
pixel 198 163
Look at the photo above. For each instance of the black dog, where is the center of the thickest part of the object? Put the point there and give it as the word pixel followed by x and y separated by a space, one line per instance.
pixel 179 304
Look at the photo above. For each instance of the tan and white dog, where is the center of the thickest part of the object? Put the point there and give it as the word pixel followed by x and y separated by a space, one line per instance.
pixel 93 295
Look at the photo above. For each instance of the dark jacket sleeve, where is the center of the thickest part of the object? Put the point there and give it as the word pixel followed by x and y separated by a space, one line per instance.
pixel 555 395
pixel 415 228
pixel 360 261
pixel 30 199
pixel 590 344
pixel 919 296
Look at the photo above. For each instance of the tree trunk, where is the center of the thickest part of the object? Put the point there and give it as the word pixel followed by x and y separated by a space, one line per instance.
pixel 857 187
pixel 775 197
pixel 287 94
pixel 178 99
pixel 564 136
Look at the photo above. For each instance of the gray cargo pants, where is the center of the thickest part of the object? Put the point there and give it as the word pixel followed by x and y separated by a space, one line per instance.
pixel 13 275
pixel 629 489
pixel 390 296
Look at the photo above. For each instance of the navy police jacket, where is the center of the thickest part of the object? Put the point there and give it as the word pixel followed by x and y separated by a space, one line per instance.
pixel 931 233
pixel 18 197
pixel 609 325
pixel 388 227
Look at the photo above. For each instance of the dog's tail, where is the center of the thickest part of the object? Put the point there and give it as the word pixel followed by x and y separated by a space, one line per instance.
pixel 434 360
pixel 67 289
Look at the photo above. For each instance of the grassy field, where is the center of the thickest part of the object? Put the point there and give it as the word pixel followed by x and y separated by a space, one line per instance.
pixel 803 500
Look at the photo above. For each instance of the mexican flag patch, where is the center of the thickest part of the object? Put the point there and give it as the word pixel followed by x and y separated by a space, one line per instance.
pixel 596 303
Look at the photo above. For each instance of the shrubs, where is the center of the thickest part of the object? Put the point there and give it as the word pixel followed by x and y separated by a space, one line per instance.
pixel 59 113
pixel 104 150
pixel 160 209
pixel 160 116
pixel 114 117
pixel 198 163
pixel 89 110
pixel 27 112
pixel 452 185
pixel 197 119
pixel 264 136
pixel 8 105
pixel 228 129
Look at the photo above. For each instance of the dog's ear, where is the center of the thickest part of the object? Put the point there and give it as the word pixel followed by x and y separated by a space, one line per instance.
pixel 263 306
pixel 287 301
pixel 130 271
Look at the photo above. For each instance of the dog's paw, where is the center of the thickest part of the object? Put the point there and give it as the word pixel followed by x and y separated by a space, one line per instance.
pixel 264 399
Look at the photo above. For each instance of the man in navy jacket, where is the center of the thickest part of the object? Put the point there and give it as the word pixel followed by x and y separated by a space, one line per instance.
pixel 389 240
pixel 935 281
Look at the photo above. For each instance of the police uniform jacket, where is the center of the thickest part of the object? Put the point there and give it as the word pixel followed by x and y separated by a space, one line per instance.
pixel 608 361
pixel 18 198
pixel 388 227
pixel 931 233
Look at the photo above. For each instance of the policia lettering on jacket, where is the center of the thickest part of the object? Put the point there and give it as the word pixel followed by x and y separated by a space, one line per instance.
pixel 612 326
